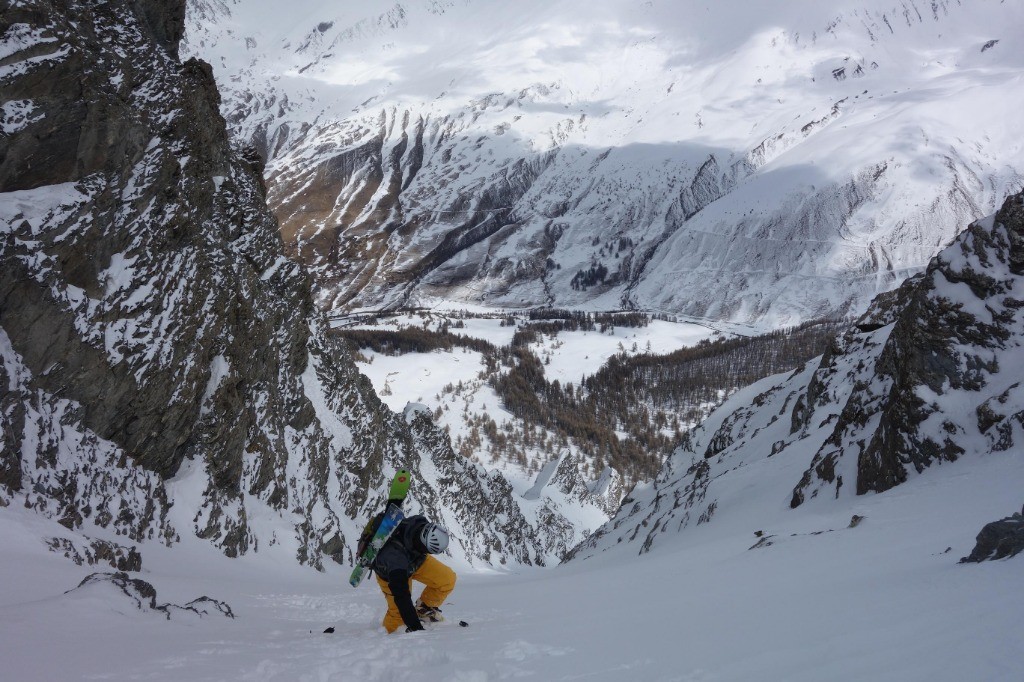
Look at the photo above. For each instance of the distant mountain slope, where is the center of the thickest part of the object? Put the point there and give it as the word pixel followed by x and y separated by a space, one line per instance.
pixel 725 160
pixel 164 371
pixel 930 375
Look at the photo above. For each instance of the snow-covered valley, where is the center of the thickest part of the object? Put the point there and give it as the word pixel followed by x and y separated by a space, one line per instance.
pixel 434 378
pixel 554 478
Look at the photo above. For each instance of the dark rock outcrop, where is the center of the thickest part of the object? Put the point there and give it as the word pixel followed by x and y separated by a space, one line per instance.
pixel 949 328
pixel 142 301
pixel 93 551
pixel 929 375
pixel 155 340
pixel 999 540
pixel 120 587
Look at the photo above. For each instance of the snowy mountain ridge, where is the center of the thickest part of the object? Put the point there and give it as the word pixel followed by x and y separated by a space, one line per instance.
pixel 930 375
pixel 165 375
pixel 766 164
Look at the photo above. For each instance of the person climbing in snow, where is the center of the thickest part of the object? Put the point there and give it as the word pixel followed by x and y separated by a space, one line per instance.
pixel 408 556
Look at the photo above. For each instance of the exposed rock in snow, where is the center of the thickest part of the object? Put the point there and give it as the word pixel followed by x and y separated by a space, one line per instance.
pixel 953 345
pixel 999 540
pixel 414 409
pixel 91 551
pixel 563 474
pixel 929 375
pixel 608 490
pixel 164 370
pixel 113 590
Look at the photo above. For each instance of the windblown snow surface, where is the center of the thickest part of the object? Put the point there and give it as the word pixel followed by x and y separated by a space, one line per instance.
pixel 883 601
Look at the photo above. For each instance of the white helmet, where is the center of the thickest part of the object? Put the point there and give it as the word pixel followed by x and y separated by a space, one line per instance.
pixel 434 538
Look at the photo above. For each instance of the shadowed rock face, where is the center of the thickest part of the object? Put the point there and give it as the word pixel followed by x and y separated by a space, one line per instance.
pixel 999 540
pixel 79 106
pixel 949 329
pixel 151 328
pixel 123 303
pixel 140 297
pixel 119 124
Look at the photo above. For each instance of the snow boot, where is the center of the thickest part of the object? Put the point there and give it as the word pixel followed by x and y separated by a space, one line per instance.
pixel 428 614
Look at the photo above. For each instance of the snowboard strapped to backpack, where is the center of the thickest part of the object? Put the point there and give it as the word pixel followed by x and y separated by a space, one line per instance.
pixel 379 529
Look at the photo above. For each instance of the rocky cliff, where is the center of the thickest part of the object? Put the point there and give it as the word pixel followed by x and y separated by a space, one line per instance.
pixel 928 376
pixel 165 373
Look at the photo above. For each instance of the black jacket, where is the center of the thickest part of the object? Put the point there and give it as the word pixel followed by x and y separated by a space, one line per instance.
pixel 397 560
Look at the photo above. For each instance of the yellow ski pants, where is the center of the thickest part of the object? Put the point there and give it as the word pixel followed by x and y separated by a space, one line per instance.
pixel 439 581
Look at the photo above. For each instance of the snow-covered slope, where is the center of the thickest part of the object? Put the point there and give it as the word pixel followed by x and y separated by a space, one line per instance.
pixel 930 376
pixel 883 601
pixel 737 161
